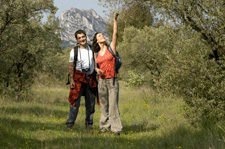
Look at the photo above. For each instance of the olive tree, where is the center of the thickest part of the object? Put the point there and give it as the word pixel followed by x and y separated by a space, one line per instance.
pixel 25 40
pixel 176 61
pixel 205 17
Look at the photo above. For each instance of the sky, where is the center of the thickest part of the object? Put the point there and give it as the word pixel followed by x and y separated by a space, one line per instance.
pixel 80 4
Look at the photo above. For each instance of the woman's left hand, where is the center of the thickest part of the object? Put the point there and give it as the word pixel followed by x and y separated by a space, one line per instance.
pixel 99 72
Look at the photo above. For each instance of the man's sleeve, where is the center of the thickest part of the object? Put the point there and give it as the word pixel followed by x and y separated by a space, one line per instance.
pixel 71 56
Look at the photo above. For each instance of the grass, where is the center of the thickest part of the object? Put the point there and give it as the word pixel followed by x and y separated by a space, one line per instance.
pixel 149 120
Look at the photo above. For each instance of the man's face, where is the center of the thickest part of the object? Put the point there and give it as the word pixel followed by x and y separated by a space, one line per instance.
pixel 82 39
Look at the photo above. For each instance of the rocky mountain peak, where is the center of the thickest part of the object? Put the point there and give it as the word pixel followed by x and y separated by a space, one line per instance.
pixel 75 19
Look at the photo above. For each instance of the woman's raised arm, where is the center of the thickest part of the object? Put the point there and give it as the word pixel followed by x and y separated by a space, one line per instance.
pixel 114 36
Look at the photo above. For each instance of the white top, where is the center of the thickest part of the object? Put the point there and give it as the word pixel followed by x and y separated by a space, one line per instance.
pixel 82 58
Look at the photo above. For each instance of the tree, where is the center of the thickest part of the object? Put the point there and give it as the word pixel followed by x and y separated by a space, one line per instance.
pixel 205 17
pixel 175 61
pixel 135 14
pixel 25 41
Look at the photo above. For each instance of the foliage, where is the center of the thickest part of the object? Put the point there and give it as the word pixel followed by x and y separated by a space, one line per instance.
pixel 134 14
pixel 145 51
pixel 199 79
pixel 25 41
pixel 177 61
pixel 134 78
pixel 205 17
pixel 55 69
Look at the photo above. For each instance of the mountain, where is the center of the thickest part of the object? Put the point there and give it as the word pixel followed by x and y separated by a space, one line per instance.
pixel 87 20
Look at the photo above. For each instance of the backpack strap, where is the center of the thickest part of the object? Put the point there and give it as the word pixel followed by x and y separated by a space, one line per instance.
pixel 110 50
pixel 75 50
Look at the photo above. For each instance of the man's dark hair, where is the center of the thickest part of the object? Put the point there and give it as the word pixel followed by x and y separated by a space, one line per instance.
pixel 79 32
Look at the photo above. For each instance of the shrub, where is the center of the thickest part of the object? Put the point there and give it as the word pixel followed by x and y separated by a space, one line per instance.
pixel 177 61
pixel 134 79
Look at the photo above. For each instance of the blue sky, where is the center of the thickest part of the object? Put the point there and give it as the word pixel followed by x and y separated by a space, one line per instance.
pixel 80 4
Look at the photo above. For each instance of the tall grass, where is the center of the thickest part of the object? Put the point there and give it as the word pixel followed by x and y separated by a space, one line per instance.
pixel 150 120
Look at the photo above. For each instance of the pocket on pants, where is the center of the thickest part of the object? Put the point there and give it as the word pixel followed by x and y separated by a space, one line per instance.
pixel 101 87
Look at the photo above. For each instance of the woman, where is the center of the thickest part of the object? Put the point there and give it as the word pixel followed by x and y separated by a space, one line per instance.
pixel 108 92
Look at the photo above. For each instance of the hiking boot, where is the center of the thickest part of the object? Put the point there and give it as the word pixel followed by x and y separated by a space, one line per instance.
pixel 89 126
pixel 69 127
pixel 117 133
pixel 102 131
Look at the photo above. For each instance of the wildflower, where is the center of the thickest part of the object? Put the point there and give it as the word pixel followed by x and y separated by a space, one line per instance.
pixel 161 116
pixel 146 106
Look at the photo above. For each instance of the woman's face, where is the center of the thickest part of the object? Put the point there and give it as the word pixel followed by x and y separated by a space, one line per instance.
pixel 100 38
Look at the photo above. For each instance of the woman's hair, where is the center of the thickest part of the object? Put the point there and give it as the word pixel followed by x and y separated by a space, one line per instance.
pixel 95 47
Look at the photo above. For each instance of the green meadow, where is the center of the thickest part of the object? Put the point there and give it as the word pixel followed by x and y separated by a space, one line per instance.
pixel 150 120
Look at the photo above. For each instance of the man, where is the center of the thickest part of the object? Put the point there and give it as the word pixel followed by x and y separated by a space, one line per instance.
pixel 83 80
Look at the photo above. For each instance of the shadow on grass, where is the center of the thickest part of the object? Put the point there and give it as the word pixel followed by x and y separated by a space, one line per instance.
pixel 79 137
pixel 139 128
pixel 29 126
pixel 15 133
pixel 11 139
pixel 180 137
pixel 35 110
